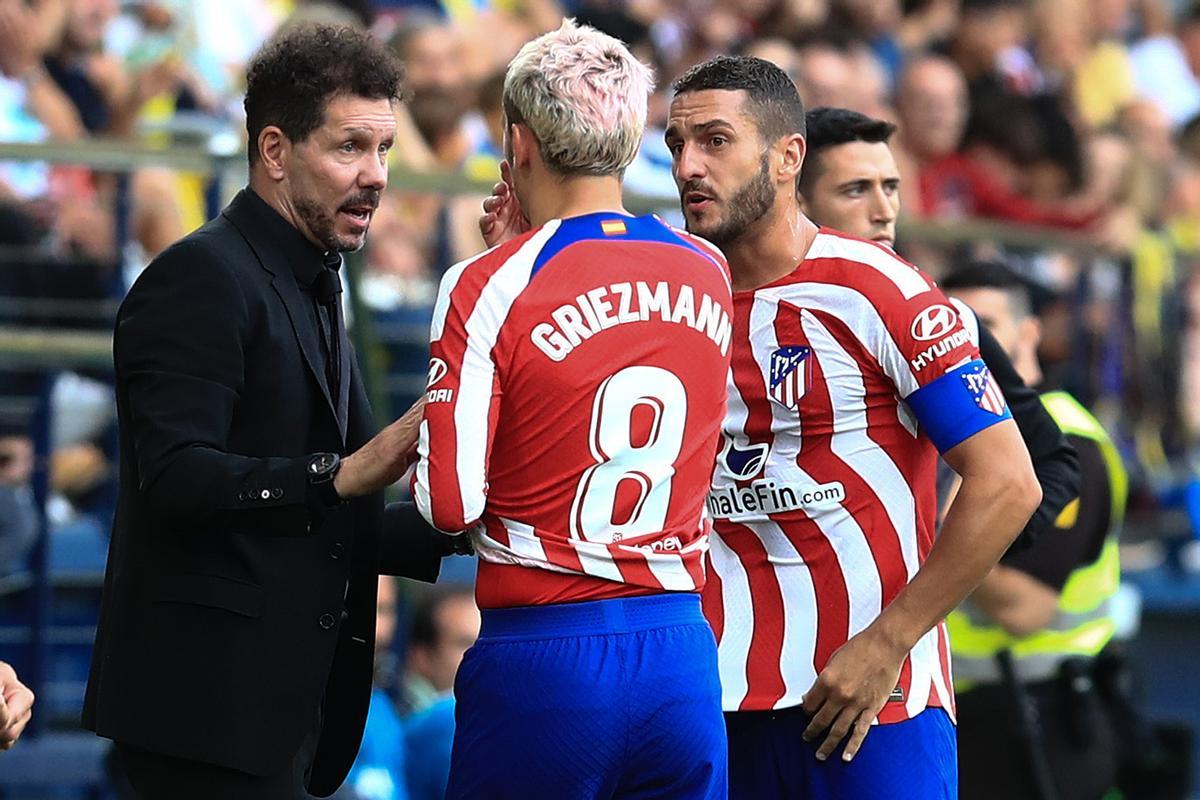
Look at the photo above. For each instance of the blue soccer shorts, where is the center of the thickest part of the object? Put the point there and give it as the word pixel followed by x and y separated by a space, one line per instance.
pixel 912 760
pixel 605 699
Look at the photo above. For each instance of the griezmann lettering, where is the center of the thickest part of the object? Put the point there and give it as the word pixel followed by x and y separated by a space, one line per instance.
pixel 621 303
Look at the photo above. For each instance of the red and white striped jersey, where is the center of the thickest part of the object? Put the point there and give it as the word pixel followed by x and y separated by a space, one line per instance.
pixel 845 374
pixel 574 406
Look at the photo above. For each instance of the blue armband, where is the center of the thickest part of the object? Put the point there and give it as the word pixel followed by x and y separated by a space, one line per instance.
pixel 959 405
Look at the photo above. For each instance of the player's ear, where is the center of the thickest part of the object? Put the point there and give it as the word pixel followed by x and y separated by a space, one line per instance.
pixel 791 150
pixel 524 145
pixel 1031 332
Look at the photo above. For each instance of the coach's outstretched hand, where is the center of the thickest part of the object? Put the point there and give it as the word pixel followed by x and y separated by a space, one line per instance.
pixel 849 693
pixel 502 217
pixel 16 706
pixel 382 461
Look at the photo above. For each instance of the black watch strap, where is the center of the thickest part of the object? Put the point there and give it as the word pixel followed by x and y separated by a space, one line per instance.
pixel 322 469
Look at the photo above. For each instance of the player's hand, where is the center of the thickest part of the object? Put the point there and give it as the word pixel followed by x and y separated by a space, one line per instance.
pixel 502 217
pixel 16 706
pixel 850 692
pixel 382 461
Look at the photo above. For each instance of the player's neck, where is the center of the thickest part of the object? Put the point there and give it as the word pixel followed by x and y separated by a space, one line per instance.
pixel 770 248
pixel 574 197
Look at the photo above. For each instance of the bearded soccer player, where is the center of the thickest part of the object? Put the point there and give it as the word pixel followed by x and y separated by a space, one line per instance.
pixel 575 398
pixel 850 373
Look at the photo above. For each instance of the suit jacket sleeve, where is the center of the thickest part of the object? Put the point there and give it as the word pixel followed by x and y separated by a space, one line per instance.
pixel 179 357
pixel 410 547
pixel 1054 459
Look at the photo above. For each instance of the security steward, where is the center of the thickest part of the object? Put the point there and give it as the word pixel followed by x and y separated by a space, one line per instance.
pixel 1031 721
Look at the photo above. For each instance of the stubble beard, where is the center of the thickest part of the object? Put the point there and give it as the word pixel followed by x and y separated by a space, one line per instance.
pixel 748 205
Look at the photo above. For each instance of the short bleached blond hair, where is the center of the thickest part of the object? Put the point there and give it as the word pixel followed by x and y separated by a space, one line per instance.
pixel 584 96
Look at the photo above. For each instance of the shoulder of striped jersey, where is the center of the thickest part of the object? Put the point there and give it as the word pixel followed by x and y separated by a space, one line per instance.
pixel 703 245
pixel 969 319
pixel 495 255
pixel 473 271
pixel 892 270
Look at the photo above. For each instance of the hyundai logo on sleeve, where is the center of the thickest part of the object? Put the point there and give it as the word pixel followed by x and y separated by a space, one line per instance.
pixel 934 323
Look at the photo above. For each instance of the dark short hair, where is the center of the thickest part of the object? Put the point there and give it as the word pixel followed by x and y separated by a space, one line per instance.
pixel 771 95
pixel 830 127
pixel 423 628
pixel 291 80
pixel 985 274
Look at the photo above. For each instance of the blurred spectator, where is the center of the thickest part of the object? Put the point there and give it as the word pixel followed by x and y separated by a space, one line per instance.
pixel 876 23
pixel 379 771
pixel 987 42
pixel 108 96
pixel 931 103
pixel 18 519
pixel 825 75
pixel 1161 72
pixel 441 98
pixel 444 625
pixel 1103 81
pixel 1005 140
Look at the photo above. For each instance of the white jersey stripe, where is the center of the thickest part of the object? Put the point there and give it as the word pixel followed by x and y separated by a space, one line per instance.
pixel 449 281
pixel 860 316
pixel 524 541
pixel 907 280
pixel 852 443
pixel 969 320
pixel 597 561
pixel 490 549
pixel 799 613
pixel 477 373
pixel 925 665
pixel 944 693
pixel 669 570
pixel 421 485
pixel 733 651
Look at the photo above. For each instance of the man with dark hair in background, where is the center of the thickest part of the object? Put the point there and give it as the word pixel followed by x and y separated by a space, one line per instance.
pixel 235 648
pixel 850 182
pixel 444 625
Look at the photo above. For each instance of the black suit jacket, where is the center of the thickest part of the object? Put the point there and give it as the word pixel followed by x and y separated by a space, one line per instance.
pixel 233 604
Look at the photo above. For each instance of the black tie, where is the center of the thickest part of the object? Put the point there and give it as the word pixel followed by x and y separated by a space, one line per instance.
pixel 327 289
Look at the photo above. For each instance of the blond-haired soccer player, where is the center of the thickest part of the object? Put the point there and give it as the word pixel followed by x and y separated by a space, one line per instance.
pixel 575 397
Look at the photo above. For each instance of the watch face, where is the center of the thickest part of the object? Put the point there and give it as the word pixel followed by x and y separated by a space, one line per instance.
pixel 322 462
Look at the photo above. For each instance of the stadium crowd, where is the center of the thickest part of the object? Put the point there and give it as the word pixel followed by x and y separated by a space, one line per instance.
pixel 1071 126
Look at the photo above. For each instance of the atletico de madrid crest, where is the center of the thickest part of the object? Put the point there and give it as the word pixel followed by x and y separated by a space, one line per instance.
pixel 983 390
pixel 791 374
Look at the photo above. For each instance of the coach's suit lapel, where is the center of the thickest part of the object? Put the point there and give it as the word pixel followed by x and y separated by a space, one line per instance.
pixel 283 281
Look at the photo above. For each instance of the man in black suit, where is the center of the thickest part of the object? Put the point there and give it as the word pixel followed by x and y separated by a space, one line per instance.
pixel 234 653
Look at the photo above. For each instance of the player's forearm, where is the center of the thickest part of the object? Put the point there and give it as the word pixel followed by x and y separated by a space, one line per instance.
pixel 987 514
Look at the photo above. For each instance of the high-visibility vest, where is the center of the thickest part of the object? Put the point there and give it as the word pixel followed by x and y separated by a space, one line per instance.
pixel 1083 624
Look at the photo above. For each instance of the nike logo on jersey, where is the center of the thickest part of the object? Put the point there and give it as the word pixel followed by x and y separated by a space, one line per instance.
pixel 621 303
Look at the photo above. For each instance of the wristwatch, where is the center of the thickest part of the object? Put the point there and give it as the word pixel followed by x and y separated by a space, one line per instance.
pixel 322 469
